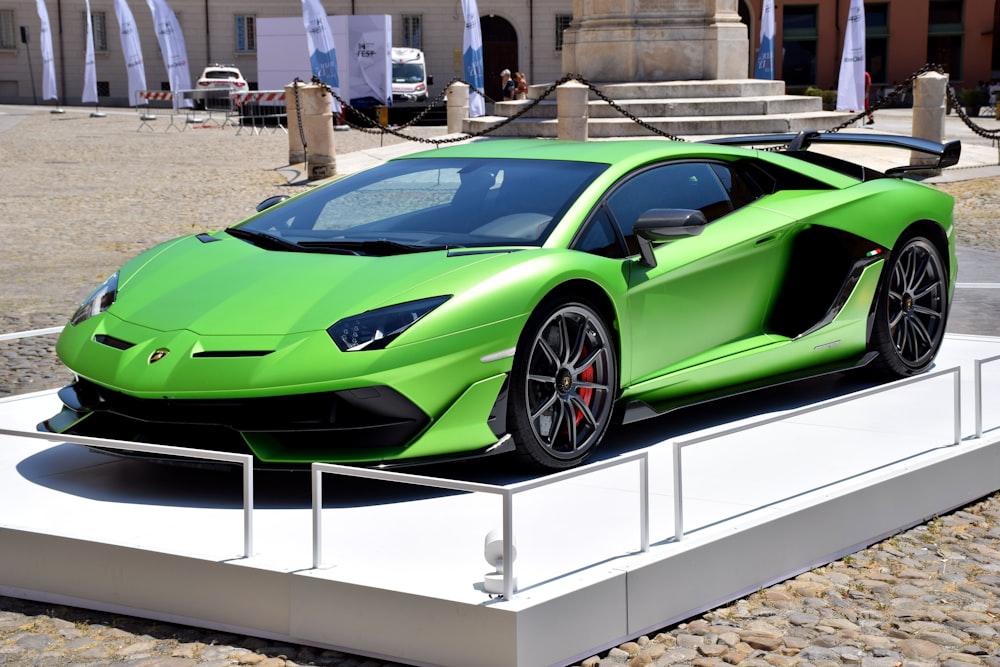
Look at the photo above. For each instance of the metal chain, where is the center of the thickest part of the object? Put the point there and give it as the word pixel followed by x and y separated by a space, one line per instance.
pixel 375 128
pixel 614 105
pixel 298 117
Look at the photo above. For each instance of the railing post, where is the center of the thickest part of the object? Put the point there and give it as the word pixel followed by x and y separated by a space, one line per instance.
pixel 678 494
pixel 317 123
pixel 508 544
pixel 929 111
pixel 317 512
pixel 573 114
pixel 458 106
pixel 957 388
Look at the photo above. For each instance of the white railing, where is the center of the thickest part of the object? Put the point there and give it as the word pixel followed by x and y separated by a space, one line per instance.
pixel 679 445
pixel 979 392
pixel 245 460
pixel 30 334
pixel 506 493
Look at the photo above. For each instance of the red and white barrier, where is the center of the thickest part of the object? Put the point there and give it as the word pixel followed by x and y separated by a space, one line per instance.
pixel 261 96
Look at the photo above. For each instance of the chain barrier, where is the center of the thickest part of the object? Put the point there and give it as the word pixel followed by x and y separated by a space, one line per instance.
pixel 627 114
pixel 374 127
pixel 906 86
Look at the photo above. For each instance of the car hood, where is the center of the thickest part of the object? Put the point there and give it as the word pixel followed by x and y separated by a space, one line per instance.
pixel 218 285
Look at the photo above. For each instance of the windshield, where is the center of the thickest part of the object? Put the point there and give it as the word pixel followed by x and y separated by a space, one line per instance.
pixel 428 203
pixel 407 73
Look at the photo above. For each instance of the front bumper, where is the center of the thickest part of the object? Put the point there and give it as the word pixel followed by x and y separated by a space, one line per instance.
pixel 370 425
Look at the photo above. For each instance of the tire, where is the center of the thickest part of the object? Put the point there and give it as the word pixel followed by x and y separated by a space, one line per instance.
pixel 912 309
pixel 563 385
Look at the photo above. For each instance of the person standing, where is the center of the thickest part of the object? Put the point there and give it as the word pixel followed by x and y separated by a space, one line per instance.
pixel 868 100
pixel 508 85
pixel 520 86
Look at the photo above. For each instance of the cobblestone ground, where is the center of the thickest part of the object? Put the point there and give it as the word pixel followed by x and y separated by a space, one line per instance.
pixel 83 195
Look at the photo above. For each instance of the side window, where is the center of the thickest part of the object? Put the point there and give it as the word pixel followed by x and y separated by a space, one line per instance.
pixel 737 187
pixel 598 237
pixel 687 185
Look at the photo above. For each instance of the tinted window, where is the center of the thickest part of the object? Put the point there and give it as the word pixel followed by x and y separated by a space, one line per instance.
pixel 686 185
pixel 599 238
pixel 737 187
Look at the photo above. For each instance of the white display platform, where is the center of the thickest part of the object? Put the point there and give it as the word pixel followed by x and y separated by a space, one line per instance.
pixel 403 565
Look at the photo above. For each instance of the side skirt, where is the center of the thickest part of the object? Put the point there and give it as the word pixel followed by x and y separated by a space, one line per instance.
pixel 639 410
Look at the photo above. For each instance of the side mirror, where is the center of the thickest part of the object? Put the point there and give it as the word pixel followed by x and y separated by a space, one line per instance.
pixel 271 201
pixel 666 224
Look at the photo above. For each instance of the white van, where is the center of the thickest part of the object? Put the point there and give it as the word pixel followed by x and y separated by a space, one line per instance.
pixel 409 75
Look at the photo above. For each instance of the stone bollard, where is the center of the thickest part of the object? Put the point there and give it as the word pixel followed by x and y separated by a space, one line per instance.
pixel 317 126
pixel 296 152
pixel 929 110
pixel 458 106
pixel 571 99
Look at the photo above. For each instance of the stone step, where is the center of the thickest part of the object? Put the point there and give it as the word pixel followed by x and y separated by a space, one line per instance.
pixel 684 89
pixel 607 128
pixel 719 107
pixel 670 107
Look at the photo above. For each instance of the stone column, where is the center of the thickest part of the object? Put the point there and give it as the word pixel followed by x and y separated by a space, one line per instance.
pixel 929 110
pixel 317 125
pixel 571 99
pixel 656 40
pixel 458 106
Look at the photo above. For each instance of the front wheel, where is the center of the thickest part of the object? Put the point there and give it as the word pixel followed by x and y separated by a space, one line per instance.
pixel 912 308
pixel 563 385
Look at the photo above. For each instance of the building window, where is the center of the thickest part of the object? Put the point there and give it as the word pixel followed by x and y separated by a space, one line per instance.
pixel 103 89
pixel 100 23
pixel 800 36
pixel 877 40
pixel 246 33
pixel 7 40
pixel 562 22
pixel 413 35
pixel 944 36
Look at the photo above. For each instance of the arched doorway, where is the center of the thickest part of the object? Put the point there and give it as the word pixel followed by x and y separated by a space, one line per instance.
pixel 746 16
pixel 499 52
pixel 995 66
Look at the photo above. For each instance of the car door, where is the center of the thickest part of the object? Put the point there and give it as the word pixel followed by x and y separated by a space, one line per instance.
pixel 709 295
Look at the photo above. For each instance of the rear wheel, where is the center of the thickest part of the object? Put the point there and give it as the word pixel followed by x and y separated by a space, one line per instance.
pixel 563 385
pixel 912 308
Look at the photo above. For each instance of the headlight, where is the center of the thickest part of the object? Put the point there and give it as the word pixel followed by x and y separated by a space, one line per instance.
pixel 99 301
pixel 377 328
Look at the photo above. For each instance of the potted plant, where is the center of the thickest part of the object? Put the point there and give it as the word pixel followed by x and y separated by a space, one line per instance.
pixel 972 100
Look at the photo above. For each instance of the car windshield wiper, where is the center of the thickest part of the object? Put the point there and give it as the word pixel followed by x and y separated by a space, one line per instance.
pixel 376 247
pixel 272 242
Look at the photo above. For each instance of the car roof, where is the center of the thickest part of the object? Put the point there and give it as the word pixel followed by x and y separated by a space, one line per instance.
pixel 623 155
pixel 608 152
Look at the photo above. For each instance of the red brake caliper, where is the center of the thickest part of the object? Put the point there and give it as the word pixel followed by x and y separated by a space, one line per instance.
pixel 587 375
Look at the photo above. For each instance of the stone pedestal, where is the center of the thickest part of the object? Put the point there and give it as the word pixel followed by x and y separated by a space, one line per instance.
pixel 317 126
pixel 573 116
pixel 656 40
pixel 929 110
pixel 458 106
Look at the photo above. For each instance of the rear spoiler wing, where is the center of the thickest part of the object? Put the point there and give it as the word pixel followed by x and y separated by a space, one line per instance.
pixel 947 154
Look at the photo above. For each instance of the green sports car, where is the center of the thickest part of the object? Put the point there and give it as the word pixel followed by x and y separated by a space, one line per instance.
pixel 515 295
